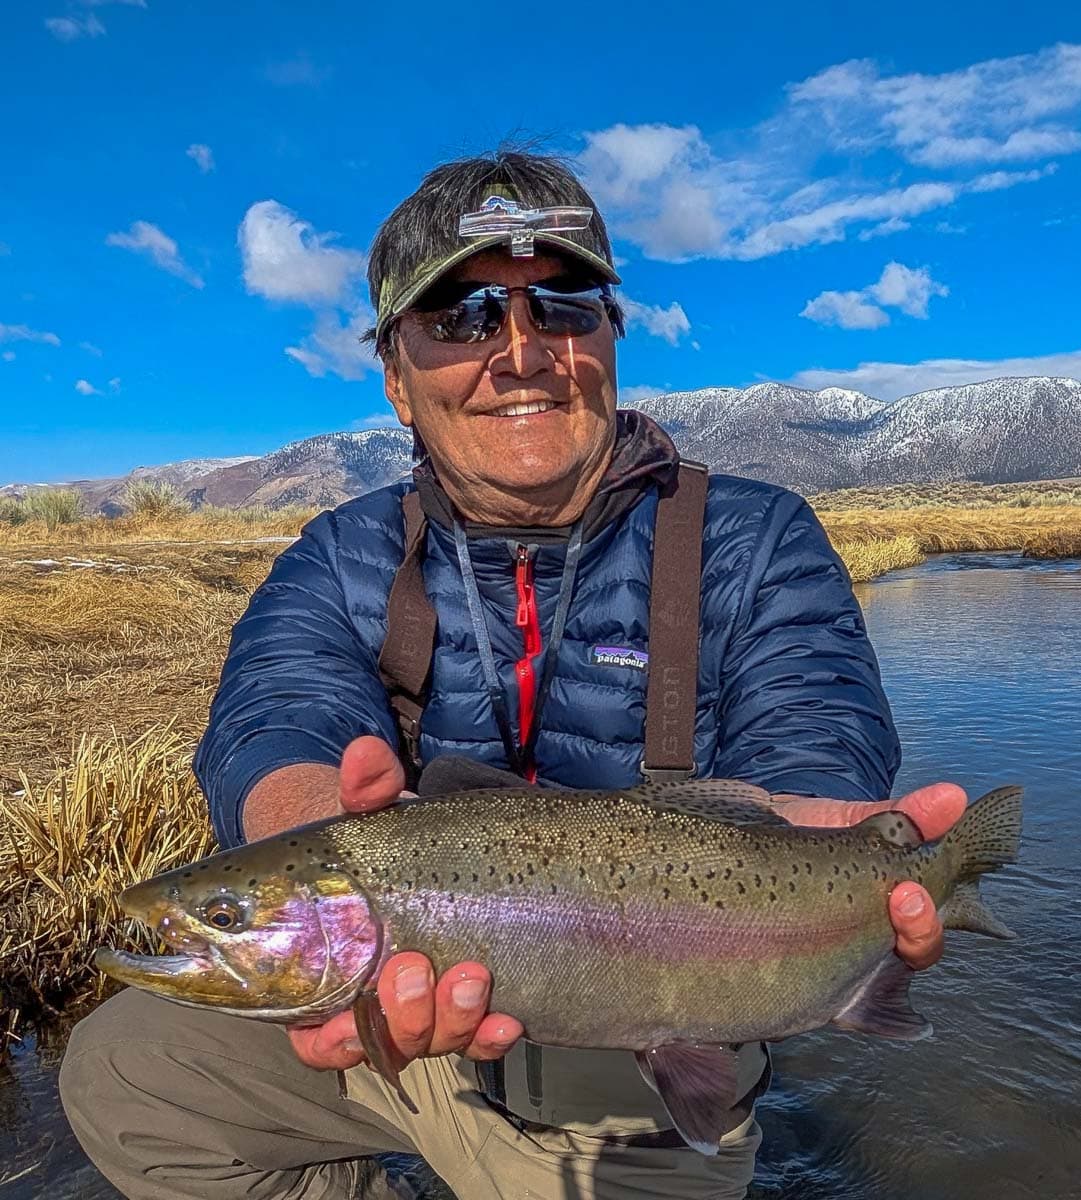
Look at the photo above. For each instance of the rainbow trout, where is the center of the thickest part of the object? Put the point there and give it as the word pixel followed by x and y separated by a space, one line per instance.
pixel 675 921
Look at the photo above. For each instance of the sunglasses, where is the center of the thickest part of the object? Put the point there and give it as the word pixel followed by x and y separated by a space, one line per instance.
pixel 464 312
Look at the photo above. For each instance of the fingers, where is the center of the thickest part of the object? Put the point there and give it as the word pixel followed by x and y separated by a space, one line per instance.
pixel 935 808
pixel 333 1046
pixel 824 813
pixel 461 1003
pixel 407 993
pixel 371 777
pixel 916 923
pixel 495 1035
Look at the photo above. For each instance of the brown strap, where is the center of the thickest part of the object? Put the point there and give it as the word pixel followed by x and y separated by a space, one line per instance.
pixel 406 657
pixel 674 601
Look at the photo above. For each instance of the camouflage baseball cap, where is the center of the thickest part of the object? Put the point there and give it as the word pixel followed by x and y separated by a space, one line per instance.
pixel 463 208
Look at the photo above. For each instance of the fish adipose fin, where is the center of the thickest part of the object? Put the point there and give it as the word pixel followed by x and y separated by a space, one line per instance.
pixel 729 800
pixel 698 1086
pixel 896 828
pixel 383 1056
pixel 881 1005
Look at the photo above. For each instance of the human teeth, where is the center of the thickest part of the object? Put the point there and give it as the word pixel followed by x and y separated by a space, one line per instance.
pixel 524 410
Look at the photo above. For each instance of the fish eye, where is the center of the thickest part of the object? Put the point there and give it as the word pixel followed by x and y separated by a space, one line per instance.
pixel 224 912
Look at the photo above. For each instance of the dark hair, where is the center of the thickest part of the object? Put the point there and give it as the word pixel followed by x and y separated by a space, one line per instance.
pixel 426 223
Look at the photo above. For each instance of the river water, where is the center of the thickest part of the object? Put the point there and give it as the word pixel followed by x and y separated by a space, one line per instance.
pixel 980 658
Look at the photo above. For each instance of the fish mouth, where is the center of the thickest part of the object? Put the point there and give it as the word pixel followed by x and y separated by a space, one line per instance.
pixel 144 969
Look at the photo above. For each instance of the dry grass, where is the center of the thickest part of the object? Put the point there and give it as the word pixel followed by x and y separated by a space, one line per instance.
pixel 163 524
pixel 957 494
pixel 118 811
pixel 872 541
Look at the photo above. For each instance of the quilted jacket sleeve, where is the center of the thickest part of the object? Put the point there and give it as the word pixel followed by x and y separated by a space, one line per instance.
pixel 801 707
pixel 299 682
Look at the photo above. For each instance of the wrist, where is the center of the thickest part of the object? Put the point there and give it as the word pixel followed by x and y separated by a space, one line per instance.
pixel 291 796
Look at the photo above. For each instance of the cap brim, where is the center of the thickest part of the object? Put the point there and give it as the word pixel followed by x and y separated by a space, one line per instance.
pixel 438 269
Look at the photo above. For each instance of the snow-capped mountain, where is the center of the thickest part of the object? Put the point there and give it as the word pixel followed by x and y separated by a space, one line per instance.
pixel 1001 431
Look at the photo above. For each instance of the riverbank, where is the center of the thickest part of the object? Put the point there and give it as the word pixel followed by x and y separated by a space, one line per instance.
pixel 113 636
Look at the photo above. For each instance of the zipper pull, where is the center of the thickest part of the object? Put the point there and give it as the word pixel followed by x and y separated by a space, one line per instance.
pixel 524 585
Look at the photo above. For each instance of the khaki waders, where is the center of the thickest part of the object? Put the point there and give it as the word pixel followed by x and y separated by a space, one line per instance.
pixel 173 1103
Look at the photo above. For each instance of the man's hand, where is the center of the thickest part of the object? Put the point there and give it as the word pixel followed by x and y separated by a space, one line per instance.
pixel 425 1016
pixel 934 809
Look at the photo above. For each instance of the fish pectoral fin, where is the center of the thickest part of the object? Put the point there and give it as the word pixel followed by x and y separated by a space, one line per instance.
pixel 881 1005
pixel 698 1086
pixel 384 1057
pixel 966 910
pixel 895 828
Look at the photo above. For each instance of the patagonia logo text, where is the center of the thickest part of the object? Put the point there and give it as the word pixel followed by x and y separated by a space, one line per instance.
pixel 619 656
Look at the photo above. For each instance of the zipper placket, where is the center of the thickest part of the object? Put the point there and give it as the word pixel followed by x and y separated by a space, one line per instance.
pixel 528 621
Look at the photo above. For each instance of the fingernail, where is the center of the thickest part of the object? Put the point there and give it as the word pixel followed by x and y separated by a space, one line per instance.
pixel 412 982
pixel 911 905
pixel 468 993
pixel 352 1045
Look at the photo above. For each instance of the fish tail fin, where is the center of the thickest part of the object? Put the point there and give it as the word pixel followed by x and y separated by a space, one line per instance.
pixel 987 837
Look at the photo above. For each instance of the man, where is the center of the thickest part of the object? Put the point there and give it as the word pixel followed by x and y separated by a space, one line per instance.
pixel 497 328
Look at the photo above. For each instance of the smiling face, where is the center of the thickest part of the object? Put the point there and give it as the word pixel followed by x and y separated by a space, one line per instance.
pixel 520 427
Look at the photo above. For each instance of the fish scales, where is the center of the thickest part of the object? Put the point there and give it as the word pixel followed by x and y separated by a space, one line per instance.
pixel 613 900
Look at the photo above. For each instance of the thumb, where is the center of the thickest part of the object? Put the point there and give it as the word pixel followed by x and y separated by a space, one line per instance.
pixel 371 777
pixel 934 808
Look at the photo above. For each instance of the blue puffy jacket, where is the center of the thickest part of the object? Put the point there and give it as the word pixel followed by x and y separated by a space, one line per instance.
pixel 789 695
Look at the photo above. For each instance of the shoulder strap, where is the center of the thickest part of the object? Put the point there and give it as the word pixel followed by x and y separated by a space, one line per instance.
pixel 406 657
pixel 674 603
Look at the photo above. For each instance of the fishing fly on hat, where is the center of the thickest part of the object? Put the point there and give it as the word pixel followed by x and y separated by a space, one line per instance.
pixel 500 221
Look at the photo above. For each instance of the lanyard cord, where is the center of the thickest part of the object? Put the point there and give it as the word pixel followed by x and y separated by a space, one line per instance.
pixel 519 756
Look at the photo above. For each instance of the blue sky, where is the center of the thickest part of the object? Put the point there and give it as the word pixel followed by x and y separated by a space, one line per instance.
pixel 887 201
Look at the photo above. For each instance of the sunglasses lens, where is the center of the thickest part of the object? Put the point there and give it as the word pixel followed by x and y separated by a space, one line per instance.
pixel 479 313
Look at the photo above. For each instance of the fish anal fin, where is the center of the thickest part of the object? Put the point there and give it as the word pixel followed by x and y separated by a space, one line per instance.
pixel 698 1086
pixel 383 1055
pixel 966 910
pixel 896 828
pixel 881 1005
pixel 727 800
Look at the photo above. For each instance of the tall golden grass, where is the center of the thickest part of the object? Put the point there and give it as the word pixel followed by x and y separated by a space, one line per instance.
pixel 162 524
pixel 118 810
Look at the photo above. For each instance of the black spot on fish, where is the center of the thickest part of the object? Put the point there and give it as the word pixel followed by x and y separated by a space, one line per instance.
pixel 416 853
pixel 454 877
pixel 850 900
pixel 554 889
pixel 740 888
pixel 810 869
pixel 187 874
pixel 829 886
pixel 685 868
pixel 668 869
pixel 581 872
pixel 491 872
pixel 545 860
pixel 718 904
pixel 294 843
pixel 773 880
pixel 791 887
pixel 711 873
pixel 836 869
pixel 251 882
pixel 704 895
pixel 758 880
pixel 739 863
pixel 290 866
pixel 693 882
pixel 202 866
pixel 667 893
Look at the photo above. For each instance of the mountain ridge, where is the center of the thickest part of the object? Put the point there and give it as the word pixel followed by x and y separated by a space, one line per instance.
pixel 1005 430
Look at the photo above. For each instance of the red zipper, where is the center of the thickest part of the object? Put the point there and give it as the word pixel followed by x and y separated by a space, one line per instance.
pixel 528 622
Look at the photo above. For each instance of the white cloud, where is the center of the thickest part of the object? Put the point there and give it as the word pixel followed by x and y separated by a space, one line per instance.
pixel 677 196
pixel 90 348
pixel 8 356
pixel 335 348
pixel 297 72
pixel 23 333
pixel 85 388
pixel 888 381
pixel 849 310
pixel 999 110
pixel 907 288
pixel 380 420
pixel 114 385
pixel 144 238
pixel 639 391
pixel 203 156
pixel 71 29
pixel 669 323
pixel 285 258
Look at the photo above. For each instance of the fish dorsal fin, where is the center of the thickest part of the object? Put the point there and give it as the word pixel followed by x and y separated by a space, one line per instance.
pixel 896 828
pixel 730 801
pixel 698 1085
